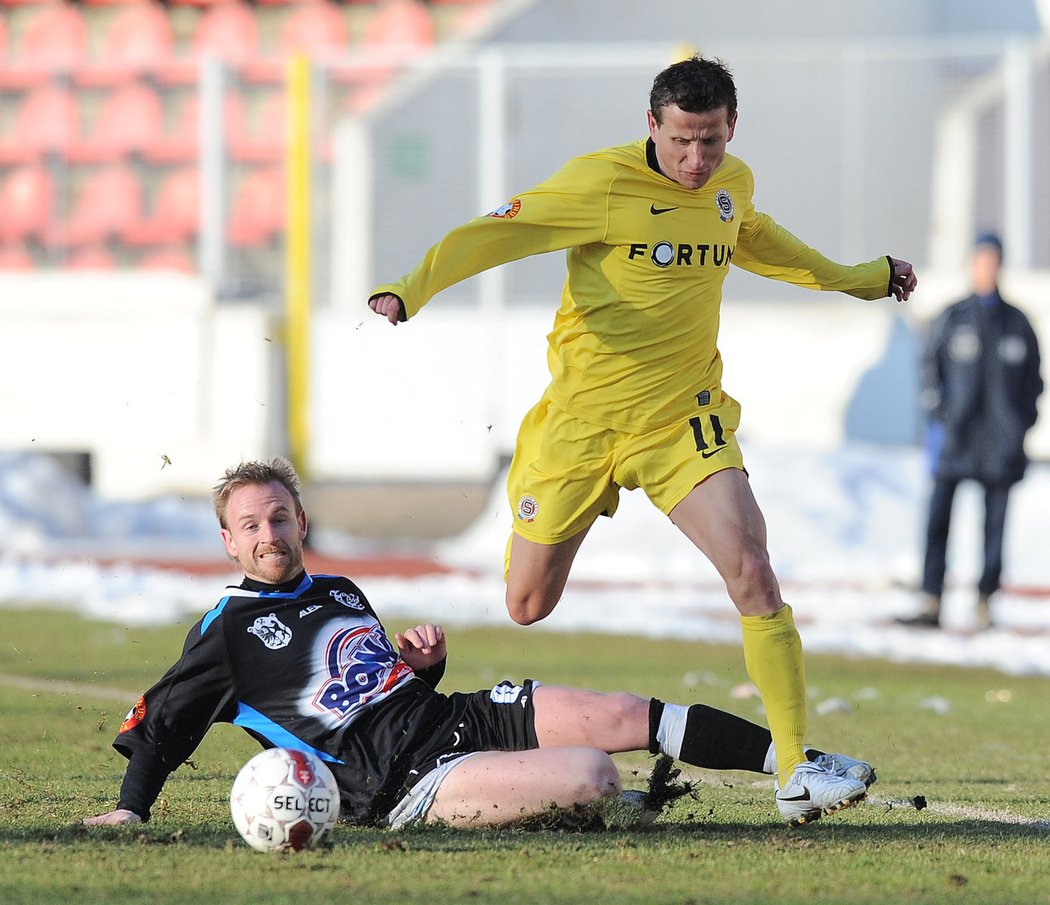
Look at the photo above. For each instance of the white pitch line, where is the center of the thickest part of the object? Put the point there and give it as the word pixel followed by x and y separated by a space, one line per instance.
pixel 965 812
pixel 60 686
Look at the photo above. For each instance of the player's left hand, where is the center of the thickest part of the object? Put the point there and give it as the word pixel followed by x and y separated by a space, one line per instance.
pixel 422 646
pixel 903 280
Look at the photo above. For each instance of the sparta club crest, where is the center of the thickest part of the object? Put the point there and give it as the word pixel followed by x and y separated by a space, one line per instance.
pixel 528 508
pixel 725 205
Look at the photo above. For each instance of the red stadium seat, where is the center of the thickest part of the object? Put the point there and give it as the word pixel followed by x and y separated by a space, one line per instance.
pixel 108 206
pixel 265 135
pixel 176 211
pixel 400 25
pixel 14 257
pixel 314 26
pixel 138 39
pixel 228 31
pixel 94 257
pixel 129 121
pixel 181 143
pixel 56 38
pixel 258 208
pixel 45 123
pixel 177 259
pixel 26 198
pixel 401 30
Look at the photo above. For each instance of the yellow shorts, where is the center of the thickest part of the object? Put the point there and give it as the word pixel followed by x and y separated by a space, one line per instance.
pixel 566 472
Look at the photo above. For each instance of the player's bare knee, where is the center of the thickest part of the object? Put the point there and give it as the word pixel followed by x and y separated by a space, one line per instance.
pixel 599 779
pixel 530 607
pixel 752 585
pixel 623 709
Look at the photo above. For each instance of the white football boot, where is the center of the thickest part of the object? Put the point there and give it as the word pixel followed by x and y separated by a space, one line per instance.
pixel 814 790
pixel 839 764
pixel 842 765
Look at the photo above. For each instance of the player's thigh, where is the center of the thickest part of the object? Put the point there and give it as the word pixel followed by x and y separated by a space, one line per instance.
pixel 560 479
pixel 496 787
pixel 667 463
pixel 575 716
pixel 720 516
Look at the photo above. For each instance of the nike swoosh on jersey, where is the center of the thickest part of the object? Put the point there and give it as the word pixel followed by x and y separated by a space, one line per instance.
pixel 653 209
pixel 707 453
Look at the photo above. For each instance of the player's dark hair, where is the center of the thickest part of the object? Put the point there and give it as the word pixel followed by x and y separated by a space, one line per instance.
pixel 276 471
pixel 695 85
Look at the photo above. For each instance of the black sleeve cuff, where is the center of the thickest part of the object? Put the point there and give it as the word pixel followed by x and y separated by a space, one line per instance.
pixel 143 780
pixel 432 674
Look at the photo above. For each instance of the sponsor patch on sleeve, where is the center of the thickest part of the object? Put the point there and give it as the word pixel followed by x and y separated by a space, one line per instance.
pixel 507 211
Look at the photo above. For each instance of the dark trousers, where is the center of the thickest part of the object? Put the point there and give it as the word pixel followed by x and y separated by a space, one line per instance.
pixel 995 497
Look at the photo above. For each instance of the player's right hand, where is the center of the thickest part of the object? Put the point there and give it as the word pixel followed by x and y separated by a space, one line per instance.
pixel 119 817
pixel 388 305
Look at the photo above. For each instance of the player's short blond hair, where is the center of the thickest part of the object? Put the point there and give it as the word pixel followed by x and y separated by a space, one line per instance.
pixel 247 474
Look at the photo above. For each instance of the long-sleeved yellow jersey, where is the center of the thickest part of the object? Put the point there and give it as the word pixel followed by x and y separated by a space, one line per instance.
pixel 634 343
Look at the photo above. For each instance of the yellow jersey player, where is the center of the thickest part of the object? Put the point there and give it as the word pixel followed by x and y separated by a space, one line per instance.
pixel 635 397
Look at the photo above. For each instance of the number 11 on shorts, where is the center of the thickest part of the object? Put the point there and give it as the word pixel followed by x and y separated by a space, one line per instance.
pixel 717 438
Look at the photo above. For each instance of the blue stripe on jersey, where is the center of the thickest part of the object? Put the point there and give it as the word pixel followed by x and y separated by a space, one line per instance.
pixel 214 614
pixel 250 718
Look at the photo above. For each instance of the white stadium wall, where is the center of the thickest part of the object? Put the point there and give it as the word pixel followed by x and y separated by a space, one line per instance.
pixel 138 371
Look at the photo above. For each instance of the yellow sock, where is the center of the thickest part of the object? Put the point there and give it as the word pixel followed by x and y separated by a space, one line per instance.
pixel 773 657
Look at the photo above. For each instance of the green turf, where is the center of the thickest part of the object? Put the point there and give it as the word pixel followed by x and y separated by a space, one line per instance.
pixel 979 763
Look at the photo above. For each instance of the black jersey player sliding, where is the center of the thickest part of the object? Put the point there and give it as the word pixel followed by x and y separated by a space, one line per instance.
pixel 301 661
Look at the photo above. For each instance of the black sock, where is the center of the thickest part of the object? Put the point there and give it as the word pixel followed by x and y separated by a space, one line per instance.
pixel 706 737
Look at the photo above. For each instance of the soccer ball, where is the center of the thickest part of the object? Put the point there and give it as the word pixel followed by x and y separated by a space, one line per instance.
pixel 284 799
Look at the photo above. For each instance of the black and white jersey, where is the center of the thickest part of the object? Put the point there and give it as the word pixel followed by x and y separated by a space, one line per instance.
pixel 301 666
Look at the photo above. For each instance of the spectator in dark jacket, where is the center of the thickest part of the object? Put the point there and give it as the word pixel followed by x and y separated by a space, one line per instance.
pixel 980 385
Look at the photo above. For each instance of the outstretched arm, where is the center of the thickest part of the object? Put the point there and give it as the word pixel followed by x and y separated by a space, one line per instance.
pixel 765 248
pixel 568 210
pixel 168 722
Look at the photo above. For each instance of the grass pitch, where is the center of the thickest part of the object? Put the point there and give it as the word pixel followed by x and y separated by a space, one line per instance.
pixel 972 743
